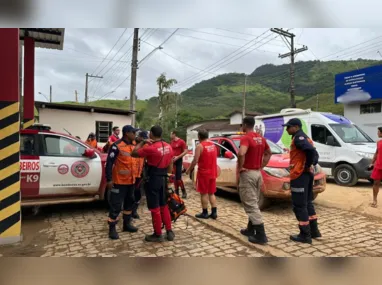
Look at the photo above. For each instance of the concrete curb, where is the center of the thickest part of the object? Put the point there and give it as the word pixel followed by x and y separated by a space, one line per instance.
pixel 220 227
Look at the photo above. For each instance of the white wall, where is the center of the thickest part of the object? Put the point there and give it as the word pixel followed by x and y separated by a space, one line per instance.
pixel 236 119
pixel 367 122
pixel 192 135
pixel 79 123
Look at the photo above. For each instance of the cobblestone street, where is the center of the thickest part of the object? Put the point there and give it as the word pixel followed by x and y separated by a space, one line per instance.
pixel 81 230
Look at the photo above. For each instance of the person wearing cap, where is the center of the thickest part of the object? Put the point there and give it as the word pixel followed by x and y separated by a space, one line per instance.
pixel 303 156
pixel 139 174
pixel 254 155
pixel 91 141
pixel 121 181
pixel 159 155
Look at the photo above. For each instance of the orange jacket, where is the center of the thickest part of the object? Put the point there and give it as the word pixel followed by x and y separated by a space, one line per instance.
pixel 301 147
pixel 92 143
pixel 120 164
pixel 138 167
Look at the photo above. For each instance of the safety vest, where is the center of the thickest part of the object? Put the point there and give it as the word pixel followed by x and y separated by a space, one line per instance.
pixel 123 170
pixel 91 143
pixel 297 160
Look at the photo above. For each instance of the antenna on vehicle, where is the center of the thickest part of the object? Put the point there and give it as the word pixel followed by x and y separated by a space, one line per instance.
pixel 67 131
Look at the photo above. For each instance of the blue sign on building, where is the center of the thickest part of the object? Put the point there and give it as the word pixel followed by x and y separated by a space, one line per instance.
pixel 360 85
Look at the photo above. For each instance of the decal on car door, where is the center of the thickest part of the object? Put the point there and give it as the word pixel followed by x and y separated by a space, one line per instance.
pixel 30 171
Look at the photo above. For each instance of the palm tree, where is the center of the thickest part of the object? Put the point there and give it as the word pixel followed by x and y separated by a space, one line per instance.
pixel 166 99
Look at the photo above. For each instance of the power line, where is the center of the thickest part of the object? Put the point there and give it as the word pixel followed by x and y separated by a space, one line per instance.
pixel 124 31
pixel 223 60
pixel 208 33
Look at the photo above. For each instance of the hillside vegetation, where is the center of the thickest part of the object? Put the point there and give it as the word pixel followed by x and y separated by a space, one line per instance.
pixel 267 91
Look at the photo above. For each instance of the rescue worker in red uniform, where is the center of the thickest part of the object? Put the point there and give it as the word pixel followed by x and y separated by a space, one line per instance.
pixel 112 139
pixel 179 148
pixel 158 156
pixel 139 174
pixel 303 156
pixel 121 181
pixel 254 155
pixel 206 158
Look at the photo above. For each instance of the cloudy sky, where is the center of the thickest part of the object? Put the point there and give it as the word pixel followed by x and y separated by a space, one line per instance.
pixel 188 55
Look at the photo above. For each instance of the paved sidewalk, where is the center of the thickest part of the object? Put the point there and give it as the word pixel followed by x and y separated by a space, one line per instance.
pixel 344 233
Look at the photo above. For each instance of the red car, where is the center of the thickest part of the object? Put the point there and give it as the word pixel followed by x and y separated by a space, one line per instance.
pixel 57 168
pixel 275 175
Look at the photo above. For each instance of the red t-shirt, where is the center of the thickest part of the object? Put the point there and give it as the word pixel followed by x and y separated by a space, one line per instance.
pixel 257 145
pixel 178 146
pixel 207 164
pixel 154 153
pixel 378 163
pixel 113 139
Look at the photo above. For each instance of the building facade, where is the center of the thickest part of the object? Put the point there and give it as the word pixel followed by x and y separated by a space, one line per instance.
pixel 82 120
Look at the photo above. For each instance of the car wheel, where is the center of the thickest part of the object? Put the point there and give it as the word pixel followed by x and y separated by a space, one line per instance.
pixel 264 202
pixel 345 175
pixel 371 181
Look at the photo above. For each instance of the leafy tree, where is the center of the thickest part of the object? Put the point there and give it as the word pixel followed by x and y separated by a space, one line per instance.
pixel 165 97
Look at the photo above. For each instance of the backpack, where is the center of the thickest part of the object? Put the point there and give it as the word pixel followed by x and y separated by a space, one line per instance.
pixel 175 203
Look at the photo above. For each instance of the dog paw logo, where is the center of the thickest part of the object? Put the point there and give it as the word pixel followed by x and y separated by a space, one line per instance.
pixel 80 169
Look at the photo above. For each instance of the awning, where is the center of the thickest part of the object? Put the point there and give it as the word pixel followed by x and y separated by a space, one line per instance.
pixel 44 38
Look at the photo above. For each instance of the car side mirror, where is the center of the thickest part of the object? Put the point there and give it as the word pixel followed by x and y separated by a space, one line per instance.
pixel 228 155
pixel 89 153
pixel 331 141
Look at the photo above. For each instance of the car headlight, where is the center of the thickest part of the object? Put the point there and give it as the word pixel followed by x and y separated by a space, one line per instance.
pixel 276 172
pixel 365 154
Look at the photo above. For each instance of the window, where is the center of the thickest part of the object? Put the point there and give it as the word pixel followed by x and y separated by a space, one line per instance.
pixel 228 146
pixel 60 146
pixel 370 108
pixel 27 145
pixel 320 134
pixel 103 131
pixel 350 133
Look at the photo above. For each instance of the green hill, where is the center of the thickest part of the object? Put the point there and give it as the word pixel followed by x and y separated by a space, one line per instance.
pixel 267 91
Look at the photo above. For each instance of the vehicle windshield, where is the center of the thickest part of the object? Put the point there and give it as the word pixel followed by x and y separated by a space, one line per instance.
pixel 274 147
pixel 350 133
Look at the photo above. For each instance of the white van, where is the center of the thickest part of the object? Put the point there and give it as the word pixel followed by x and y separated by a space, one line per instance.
pixel 345 150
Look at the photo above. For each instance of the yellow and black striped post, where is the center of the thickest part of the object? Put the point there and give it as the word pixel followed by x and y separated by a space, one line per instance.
pixel 10 204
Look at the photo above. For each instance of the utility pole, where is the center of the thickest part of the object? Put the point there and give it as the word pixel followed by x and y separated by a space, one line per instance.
pixel 76 96
pixel 245 89
pixel 50 94
pixel 86 85
pixel 134 67
pixel 293 52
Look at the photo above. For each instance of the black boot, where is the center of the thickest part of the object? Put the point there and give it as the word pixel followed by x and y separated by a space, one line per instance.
pixel 127 226
pixel 259 236
pixel 113 231
pixel 304 236
pixel 214 214
pixel 314 232
pixel 184 194
pixel 135 211
pixel 170 235
pixel 249 231
pixel 154 238
pixel 202 215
